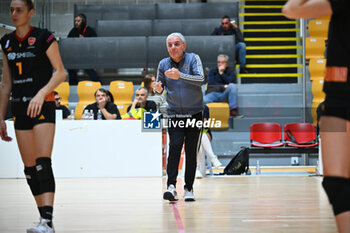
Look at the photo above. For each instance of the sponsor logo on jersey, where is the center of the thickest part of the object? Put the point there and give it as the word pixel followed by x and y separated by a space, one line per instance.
pixel 50 38
pixel 21 81
pixel 13 56
pixel 41 117
pixel 31 40
pixel 7 44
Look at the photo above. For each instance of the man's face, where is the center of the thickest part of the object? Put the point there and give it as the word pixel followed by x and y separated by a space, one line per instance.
pixel 57 100
pixel 77 21
pixel 100 96
pixel 226 24
pixel 141 96
pixel 176 48
pixel 222 62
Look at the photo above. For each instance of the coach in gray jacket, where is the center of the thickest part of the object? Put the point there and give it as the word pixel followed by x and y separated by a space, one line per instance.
pixel 181 75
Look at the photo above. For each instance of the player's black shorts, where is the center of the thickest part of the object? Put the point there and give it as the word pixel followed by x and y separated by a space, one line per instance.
pixel 337 106
pixel 47 115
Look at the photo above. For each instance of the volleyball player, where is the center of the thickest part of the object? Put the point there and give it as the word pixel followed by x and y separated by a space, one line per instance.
pixel 335 121
pixel 29 56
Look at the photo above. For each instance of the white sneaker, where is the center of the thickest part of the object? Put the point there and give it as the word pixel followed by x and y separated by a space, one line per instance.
pixel 42 227
pixel 198 174
pixel 216 163
pixel 188 195
pixel 170 194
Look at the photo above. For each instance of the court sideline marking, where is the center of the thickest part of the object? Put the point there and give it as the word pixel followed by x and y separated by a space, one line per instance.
pixel 178 218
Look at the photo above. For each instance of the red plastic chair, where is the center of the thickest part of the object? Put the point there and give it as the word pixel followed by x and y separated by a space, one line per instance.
pixel 266 135
pixel 304 135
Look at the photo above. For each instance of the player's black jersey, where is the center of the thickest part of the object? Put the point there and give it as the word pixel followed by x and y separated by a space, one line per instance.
pixel 29 65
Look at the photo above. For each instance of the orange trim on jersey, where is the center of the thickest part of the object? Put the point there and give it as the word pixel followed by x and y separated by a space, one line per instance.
pixel 50 97
pixel 336 74
pixel 25 37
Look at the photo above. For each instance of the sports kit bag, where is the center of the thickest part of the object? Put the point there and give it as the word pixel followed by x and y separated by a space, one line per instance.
pixel 239 164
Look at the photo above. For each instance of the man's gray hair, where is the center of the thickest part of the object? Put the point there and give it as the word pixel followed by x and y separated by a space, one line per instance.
pixel 142 88
pixel 224 56
pixel 176 34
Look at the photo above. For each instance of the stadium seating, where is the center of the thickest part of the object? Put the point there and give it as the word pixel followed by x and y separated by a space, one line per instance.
pixel 156 11
pixel 104 53
pixel 266 134
pixel 317 68
pixel 318 28
pixel 112 28
pixel 63 91
pixel 317 90
pixel 300 135
pixel 219 112
pixel 157 27
pixel 86 91
pixel 143 52
pixel 314 47
pixel 207 47
pixel 122 92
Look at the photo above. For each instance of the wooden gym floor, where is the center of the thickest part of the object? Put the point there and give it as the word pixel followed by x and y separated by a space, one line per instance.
pixel 266 204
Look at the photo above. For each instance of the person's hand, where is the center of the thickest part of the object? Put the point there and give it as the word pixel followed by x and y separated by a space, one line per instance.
pixel 173 73
pixel 35 105
pixel 3 132
pixel 227 85
pixel 81 36
pixel 158 87
pixel 102 103
pixel 234 25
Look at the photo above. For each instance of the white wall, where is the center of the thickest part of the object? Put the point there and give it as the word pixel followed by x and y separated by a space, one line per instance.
pixel 93 149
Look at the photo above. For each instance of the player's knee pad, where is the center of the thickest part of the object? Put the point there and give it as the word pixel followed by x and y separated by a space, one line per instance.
pixel 32 180
pixel 45 175
pixel 338 192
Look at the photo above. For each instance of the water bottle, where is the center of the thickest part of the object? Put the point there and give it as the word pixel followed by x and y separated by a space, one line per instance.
pixel 91 116
pixel 99 115
pixel 72 116
pixel 258 171
pixel 86 115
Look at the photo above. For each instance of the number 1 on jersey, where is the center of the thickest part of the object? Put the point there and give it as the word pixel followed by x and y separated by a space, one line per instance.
pixel 19 64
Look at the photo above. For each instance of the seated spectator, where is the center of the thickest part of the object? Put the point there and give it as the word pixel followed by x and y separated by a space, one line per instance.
pixel 108 109
pixel 141 101
pixel 65 110
pixel 222 85
pixel 140 105
pixel 149 82
pixel 229 27
pixel 206 149
pixel 81 30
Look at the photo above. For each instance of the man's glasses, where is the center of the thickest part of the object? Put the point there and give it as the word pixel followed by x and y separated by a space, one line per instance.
pixel 57 99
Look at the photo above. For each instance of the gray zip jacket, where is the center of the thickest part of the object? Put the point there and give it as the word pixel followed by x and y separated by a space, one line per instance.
pixel 184 96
